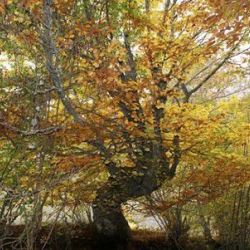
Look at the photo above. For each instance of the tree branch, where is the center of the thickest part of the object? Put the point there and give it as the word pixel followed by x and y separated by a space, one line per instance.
pixel 51 58
pixel 44 131
pixel 176 155
pixel 211 74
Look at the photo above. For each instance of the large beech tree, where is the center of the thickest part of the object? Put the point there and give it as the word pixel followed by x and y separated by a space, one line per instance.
pixel 121 76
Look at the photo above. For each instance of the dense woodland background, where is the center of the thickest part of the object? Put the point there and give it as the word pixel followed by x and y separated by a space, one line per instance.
pixel 124 124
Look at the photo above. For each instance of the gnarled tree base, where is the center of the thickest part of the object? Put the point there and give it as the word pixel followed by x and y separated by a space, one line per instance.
pixel 111 227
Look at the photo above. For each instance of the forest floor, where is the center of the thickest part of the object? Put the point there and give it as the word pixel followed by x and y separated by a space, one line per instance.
pixel 70 237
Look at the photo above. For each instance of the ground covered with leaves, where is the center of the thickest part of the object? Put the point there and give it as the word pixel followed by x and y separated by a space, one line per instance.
pixel 60 237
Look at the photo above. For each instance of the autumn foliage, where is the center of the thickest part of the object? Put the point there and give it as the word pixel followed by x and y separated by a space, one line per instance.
pixel 104 102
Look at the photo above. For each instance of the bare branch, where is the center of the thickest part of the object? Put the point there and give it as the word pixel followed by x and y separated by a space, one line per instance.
pixel 212 73
pixel 44 131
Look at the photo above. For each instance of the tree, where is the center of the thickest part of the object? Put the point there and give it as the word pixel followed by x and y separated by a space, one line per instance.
pixel 126 73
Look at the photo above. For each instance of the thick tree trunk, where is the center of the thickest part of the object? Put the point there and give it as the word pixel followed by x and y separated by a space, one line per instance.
pixel 111 228
pixel 127 183
pixel 110 224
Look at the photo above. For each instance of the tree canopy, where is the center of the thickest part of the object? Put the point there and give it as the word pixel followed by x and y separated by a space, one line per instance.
pixel 102 102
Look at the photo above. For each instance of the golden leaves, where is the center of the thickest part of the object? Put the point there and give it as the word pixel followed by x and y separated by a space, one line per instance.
pixel 2 7
pixel 95 68
pixel 31 3
pixel 71 162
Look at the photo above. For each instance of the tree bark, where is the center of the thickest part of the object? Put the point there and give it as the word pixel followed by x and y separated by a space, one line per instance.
pixel 111 227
